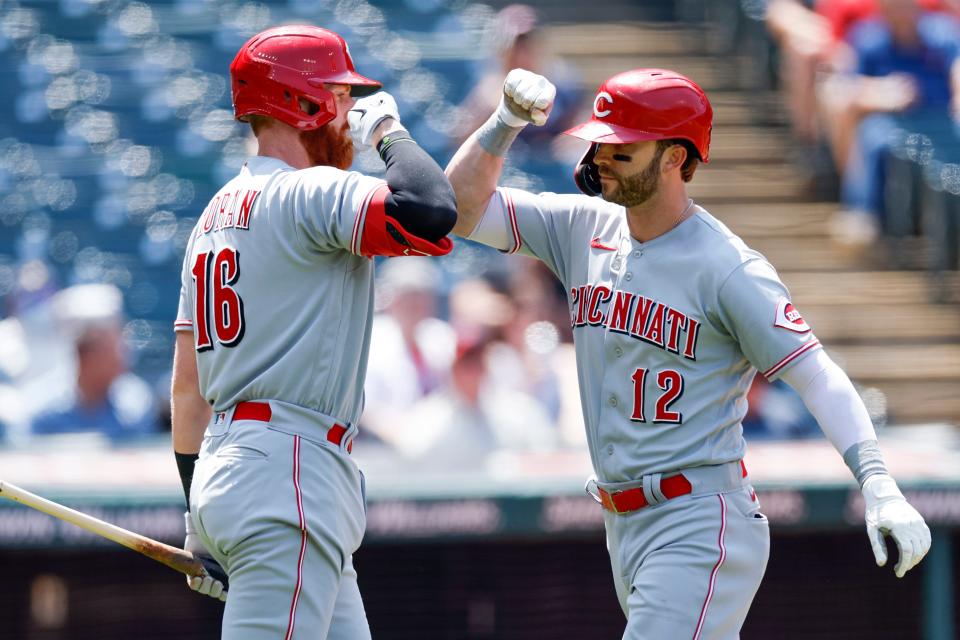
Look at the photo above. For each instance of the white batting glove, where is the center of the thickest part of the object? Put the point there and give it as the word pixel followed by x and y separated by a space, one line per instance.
pixel 369 112
pixel 527 97
pixel 207 585
pixel 888 512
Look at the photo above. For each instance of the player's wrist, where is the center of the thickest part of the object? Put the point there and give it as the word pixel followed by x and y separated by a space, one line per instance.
pixel 508 118
pixel 881 487
pixel 865 461
pixel 390 139
pixel 496 136
pixel 388 126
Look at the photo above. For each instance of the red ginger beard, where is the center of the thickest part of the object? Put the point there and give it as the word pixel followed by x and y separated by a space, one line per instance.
pixel 328 147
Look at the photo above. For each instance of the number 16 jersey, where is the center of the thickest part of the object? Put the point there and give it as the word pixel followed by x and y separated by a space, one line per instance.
pixel 277 288
pixel 668 333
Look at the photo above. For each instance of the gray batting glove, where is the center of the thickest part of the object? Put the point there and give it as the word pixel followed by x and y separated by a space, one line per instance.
pixel 367 113
pixel 527 98
pixel 207 585
pixel 888 512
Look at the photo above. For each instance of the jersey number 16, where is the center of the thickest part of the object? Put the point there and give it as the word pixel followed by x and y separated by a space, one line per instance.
pixel 213 278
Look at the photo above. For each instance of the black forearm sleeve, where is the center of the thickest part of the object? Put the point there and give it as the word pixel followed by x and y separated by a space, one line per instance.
pixel 421 198
pixel 185 462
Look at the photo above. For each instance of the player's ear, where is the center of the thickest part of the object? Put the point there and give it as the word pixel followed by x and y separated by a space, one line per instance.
pixel 674 158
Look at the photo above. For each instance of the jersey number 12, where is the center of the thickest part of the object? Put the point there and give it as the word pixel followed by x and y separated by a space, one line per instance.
pixel 670 382
pixel 214 278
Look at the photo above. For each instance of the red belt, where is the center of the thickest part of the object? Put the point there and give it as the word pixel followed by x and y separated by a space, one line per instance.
pixel 632 499
pixel 261 412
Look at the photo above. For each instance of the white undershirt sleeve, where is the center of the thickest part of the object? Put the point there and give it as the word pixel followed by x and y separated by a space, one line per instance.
pixel 831 398
pixel 492 229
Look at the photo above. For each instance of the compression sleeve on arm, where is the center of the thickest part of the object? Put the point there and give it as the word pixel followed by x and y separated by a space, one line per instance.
pixel 831 398
pixel 421 199
pixel 185 463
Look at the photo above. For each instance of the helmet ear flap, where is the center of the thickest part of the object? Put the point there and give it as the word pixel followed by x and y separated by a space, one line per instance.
pixel 587 174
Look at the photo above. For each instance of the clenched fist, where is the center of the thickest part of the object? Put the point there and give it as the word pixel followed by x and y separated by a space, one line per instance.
pixel 369 112
pixel 527 97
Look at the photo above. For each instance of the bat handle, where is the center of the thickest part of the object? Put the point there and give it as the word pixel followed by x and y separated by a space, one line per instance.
pixel 213 569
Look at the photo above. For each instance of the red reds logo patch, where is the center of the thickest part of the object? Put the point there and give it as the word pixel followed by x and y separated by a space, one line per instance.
pixel 789 318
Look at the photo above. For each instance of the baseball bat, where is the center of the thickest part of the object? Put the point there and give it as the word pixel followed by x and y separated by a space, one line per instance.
pixel 177 559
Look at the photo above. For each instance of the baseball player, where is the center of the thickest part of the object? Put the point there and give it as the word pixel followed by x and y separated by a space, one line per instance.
pixel 273 333
pixel 672 316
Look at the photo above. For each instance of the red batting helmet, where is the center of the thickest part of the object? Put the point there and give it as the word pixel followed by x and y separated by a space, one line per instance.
pixel 645 104
pixel 277 67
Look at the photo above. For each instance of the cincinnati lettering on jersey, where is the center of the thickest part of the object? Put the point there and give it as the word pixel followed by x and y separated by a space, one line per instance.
pixel 636 316
pixel 228 210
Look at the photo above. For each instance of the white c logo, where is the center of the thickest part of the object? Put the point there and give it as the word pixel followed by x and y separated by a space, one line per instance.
pixel 603 95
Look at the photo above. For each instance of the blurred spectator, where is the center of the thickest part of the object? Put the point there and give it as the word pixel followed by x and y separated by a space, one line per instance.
pixel 524 358
pixel 518 42
pixel 106 398
pixel 478 311
pixel 806 42
pixel 537 354
pixel 814 39
pixel 14 356
pixel 411 349
pixel 471 417
pixel 905 67
pixel 530 346
pixel 775 411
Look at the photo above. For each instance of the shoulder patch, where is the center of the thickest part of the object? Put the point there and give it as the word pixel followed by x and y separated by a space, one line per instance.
pixel 789 318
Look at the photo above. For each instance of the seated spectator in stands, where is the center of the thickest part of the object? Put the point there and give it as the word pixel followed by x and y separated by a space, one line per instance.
pixel 906 67
pixel 537 355
pixel 523 358
pixel 806 42
pixel 14 356
pixel 813 47
pixel 524 317
pixel 775 411
pixel 478 310
pixel 459 425
pixel 107 399
pixel 411 349
pixel 518 43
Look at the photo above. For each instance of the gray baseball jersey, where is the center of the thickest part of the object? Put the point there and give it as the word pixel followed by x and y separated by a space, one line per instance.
pixel 278 291
pixel 668 333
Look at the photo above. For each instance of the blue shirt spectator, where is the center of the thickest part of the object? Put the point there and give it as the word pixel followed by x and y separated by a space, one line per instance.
pixel 118 423
pixel 106 398
pixel 927 61
pixel 904 62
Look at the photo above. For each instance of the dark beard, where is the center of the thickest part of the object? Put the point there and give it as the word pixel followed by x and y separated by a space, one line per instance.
pixel 640 187
pixel 327 147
